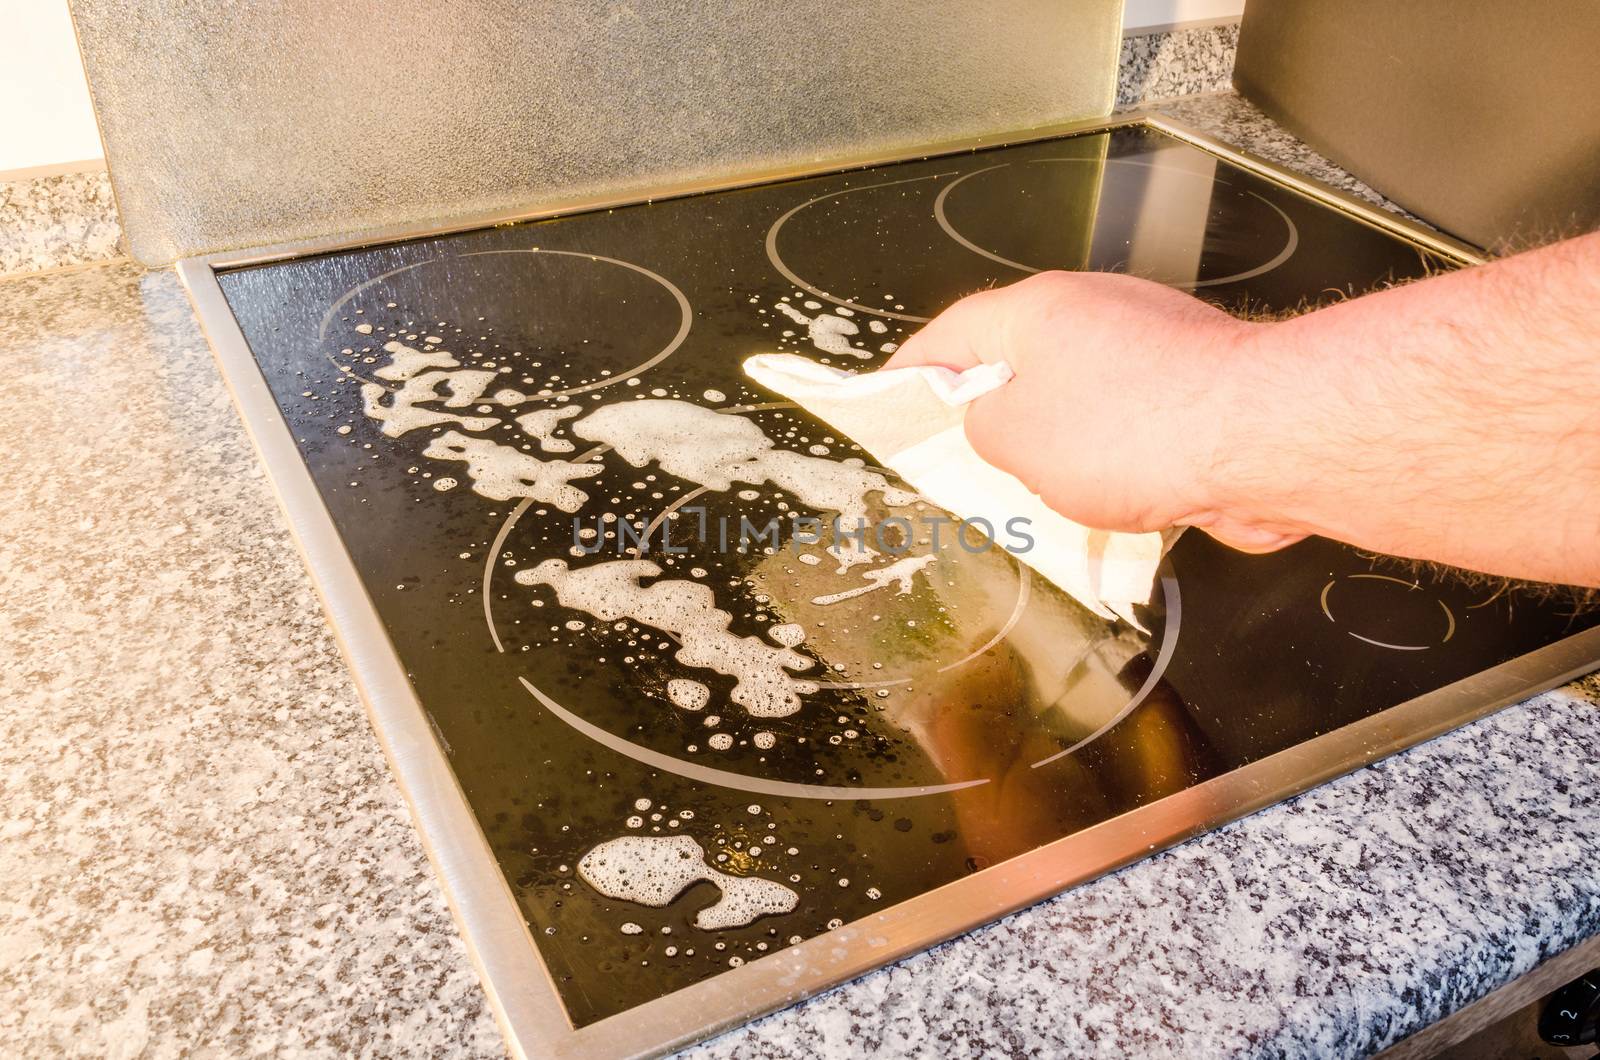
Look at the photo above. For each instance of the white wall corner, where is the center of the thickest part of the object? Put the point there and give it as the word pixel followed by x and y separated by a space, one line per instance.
pixel 1142 16
pixel 46 120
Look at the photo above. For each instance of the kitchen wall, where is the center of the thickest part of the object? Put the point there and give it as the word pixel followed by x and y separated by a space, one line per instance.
pixel 1145 15
pixel 46 121
pixel 56 204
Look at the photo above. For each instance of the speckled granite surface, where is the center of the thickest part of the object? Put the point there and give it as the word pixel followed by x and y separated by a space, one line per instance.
pixel 1179 62
pixel 48 222
pixel 1329 926
pixel 204 849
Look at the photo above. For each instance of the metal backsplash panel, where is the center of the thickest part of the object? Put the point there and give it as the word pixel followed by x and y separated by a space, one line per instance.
pixel 1480 118
pixel 239 125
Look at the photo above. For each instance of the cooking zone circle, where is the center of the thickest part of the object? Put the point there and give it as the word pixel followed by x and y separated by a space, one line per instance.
pixel 568 302
pixel 939 236
pixel 890 308
pixel 1283 228
pixel 1055 632
pixel 1387 612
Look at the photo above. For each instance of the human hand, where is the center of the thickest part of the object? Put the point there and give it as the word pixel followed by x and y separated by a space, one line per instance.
pixel 1123 409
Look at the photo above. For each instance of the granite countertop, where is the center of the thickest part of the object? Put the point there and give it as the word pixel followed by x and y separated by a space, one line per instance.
pixel 205 850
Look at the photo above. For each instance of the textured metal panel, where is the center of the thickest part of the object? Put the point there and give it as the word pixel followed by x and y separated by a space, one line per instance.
pixel 236 125
pixel 1482 118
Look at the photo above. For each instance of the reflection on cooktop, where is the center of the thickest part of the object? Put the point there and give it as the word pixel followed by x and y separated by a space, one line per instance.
pixel 1139 204
pixel 690 748
pixel 1172 207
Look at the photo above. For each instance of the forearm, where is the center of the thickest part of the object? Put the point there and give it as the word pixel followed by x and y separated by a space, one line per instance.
pixel 1456 419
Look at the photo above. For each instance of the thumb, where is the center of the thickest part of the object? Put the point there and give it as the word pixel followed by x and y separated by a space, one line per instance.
pixel 957 338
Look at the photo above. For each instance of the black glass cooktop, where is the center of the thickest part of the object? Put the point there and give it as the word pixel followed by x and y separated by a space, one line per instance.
pixel 686 756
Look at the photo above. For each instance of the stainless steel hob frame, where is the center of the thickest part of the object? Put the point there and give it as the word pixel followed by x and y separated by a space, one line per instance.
pixel 520 988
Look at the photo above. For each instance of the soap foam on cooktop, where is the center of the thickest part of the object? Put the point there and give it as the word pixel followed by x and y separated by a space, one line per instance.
pixel 899 572
pixel 688 610
pixel 501 473
pixel 717 450
pixel 403 414
pixel 687 694
pixel 542 424
pixel 789 634
pixel 418 372
pixel 653 871
pixel 465 386
pixel 828 333
pixel 406 361
pixel 689 441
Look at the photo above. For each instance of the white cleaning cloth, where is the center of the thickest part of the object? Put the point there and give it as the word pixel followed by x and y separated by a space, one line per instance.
pixel 910 420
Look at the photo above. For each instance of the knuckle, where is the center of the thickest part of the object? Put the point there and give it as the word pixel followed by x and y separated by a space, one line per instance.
pixel 1054 283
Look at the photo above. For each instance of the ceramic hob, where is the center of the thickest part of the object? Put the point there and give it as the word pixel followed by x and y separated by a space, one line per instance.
pixel 673 776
